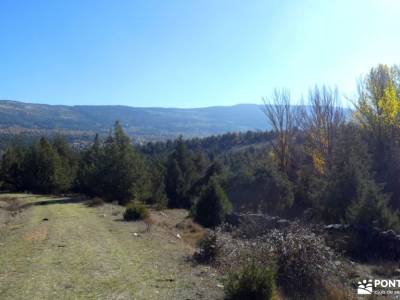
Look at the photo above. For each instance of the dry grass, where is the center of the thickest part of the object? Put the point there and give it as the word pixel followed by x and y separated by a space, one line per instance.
pixel 86 252
pixel 95 202
pixel 335 292
pixel 191 232
pixel 39 234
pixel 11 204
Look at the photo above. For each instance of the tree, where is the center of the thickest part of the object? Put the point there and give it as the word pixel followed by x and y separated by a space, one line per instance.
pixel 321 119
pixel 180 176
pixel 261 188
pixel 276 191
pixel 44 171
pixel 213 205
pixel 11 169
pixel 68 160
pixel 113 169
pixel 377 112
pixel 124 175
pixel 158 194
pixel 281 116
pixel 378 103
pixel 352 195
pixel 89 169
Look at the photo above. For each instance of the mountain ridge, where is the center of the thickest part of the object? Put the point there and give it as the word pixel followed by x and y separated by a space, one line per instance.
pixel 147 123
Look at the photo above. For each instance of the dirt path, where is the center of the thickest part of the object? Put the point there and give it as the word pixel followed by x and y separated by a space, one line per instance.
pixel 89 253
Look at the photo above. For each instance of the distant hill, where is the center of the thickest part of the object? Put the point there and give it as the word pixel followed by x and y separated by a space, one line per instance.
pixel 144 124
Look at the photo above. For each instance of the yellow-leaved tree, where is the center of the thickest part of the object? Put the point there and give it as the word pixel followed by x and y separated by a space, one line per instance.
pixel 378 104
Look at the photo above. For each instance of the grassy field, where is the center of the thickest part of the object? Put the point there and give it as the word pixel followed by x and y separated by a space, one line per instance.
pixel 55 248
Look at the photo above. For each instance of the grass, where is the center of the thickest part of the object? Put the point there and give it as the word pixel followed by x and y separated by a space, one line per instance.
pixel 88 253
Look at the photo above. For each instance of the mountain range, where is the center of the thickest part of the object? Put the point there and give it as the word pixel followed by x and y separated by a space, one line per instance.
pixel 141 123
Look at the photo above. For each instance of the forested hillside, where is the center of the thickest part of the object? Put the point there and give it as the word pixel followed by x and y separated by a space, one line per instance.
pixel 80 123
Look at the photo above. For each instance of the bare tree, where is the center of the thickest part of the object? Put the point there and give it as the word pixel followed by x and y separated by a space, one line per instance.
pixel 321 118
pixel 280 114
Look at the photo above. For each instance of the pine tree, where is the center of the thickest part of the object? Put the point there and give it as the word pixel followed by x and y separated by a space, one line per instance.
pixel 89 169
pixel 213 205
pixel 158 195
pixel 352 195
pixel 124 174
pixel 68 162
pixel 180 176
pixel 43 169
pixel 11 169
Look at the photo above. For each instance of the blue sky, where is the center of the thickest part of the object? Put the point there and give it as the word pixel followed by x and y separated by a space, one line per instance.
pixel 189 53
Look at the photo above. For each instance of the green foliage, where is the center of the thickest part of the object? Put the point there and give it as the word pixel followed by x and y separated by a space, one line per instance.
pixel 352 195
pixel 124 172
pixel 213 205
pixel 43 167
pixel 377 113
pixel 208 248
pixel 114 169
pixel 252 282
pixel 378 105
pixel 268 188
pixel 12 169
pixel 89 170
pixel 180 176
pixel 158 196
pixel 276 189
pixel 135 211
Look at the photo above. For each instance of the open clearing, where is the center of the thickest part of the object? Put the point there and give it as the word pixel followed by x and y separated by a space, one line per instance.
pixel 59 248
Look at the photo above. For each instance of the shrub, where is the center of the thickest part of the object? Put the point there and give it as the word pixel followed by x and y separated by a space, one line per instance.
pixel 213 205
pixel 253 282
pixel 135 211
pixel 303 264
pixel 208 248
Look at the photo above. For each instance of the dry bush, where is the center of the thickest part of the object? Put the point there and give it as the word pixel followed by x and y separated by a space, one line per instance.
pixel 337 292
pixel 191 232
pixel 209 249
pixel 303 261
pixel 149 222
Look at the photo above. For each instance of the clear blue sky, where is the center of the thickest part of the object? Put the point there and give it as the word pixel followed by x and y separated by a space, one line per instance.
pixel 188 53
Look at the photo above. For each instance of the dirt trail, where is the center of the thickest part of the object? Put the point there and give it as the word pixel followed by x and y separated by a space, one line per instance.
pixel 66 250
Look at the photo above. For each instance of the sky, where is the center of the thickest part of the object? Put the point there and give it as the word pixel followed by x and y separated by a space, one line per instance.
pixel 189 53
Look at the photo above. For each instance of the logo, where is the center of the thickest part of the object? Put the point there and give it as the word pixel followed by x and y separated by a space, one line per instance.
pixel 365 287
